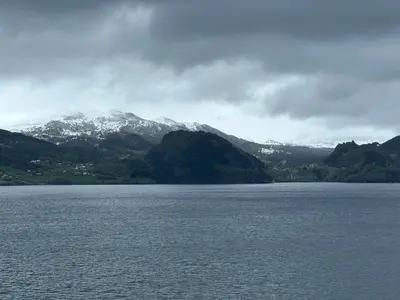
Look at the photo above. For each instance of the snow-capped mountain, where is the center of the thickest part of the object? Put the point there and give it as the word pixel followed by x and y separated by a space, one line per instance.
pixel 62 129
pixel 79 124
pixel 274 143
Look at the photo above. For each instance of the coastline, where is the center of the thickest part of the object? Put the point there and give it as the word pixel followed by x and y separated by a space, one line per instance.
pixel 188 184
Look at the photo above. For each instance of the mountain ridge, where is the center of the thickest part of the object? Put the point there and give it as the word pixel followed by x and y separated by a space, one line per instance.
pixel 124 157
pixel 103 117
pixel 182 157
pixel 98 126
pixel 186 157
pixel 373 162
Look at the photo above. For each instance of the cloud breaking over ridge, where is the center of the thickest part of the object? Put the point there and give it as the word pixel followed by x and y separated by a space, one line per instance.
pixel 304 69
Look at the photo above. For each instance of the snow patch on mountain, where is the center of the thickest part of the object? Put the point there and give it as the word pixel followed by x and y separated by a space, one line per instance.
pixel 194 126
pixel 180 125
pixel 273 143
pixel 271 150
pixel 167 121
pixel 315 145
pixel 268 151
pixel 97 124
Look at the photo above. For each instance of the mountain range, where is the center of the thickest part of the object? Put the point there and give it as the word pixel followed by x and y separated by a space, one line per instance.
pixel 82 128
pixel 372 162
pixel 124 148
pixel 182 157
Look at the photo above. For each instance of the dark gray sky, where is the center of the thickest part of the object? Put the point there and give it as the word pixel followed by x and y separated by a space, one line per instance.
pixel 292 70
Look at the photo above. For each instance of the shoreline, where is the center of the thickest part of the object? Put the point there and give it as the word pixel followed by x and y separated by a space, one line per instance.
pixel 195 184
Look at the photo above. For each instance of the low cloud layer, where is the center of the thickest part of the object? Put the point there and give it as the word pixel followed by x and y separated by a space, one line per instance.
pixel 323 64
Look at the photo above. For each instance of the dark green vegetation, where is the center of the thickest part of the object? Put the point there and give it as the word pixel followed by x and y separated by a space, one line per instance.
pixel 81 130
pixel 125 158
pixel 185 157
pixel 27 160
pixel 366 163
pixel 350 162
pixel 289 155
pixel 200 157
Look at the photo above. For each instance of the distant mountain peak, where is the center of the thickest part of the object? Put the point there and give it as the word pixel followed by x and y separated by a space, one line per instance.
pixel 124 115
pixel 272 142
pixel 61 129
pixel 99 125
pixel 75 117
pixel 166 121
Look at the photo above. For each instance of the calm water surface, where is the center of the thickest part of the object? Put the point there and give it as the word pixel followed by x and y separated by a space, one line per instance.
pixel 282 241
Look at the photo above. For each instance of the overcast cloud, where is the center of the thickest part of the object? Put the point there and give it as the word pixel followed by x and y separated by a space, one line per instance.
pixel 292 70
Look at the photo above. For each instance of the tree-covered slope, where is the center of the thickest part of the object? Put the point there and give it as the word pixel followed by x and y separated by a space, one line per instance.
pixel 181 157
pixel 366 163
pixel 201 157
pixel 18 150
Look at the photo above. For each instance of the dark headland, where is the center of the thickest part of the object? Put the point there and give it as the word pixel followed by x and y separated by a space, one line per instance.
pixel 183 157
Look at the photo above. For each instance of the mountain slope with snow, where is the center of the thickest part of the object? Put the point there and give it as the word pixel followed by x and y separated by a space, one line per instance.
pixel 79 124
pixel 98 126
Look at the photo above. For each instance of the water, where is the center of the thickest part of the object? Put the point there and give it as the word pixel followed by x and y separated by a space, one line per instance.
pixel 282 241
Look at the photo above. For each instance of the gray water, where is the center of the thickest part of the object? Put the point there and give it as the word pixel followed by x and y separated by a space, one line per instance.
pixel 281 241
